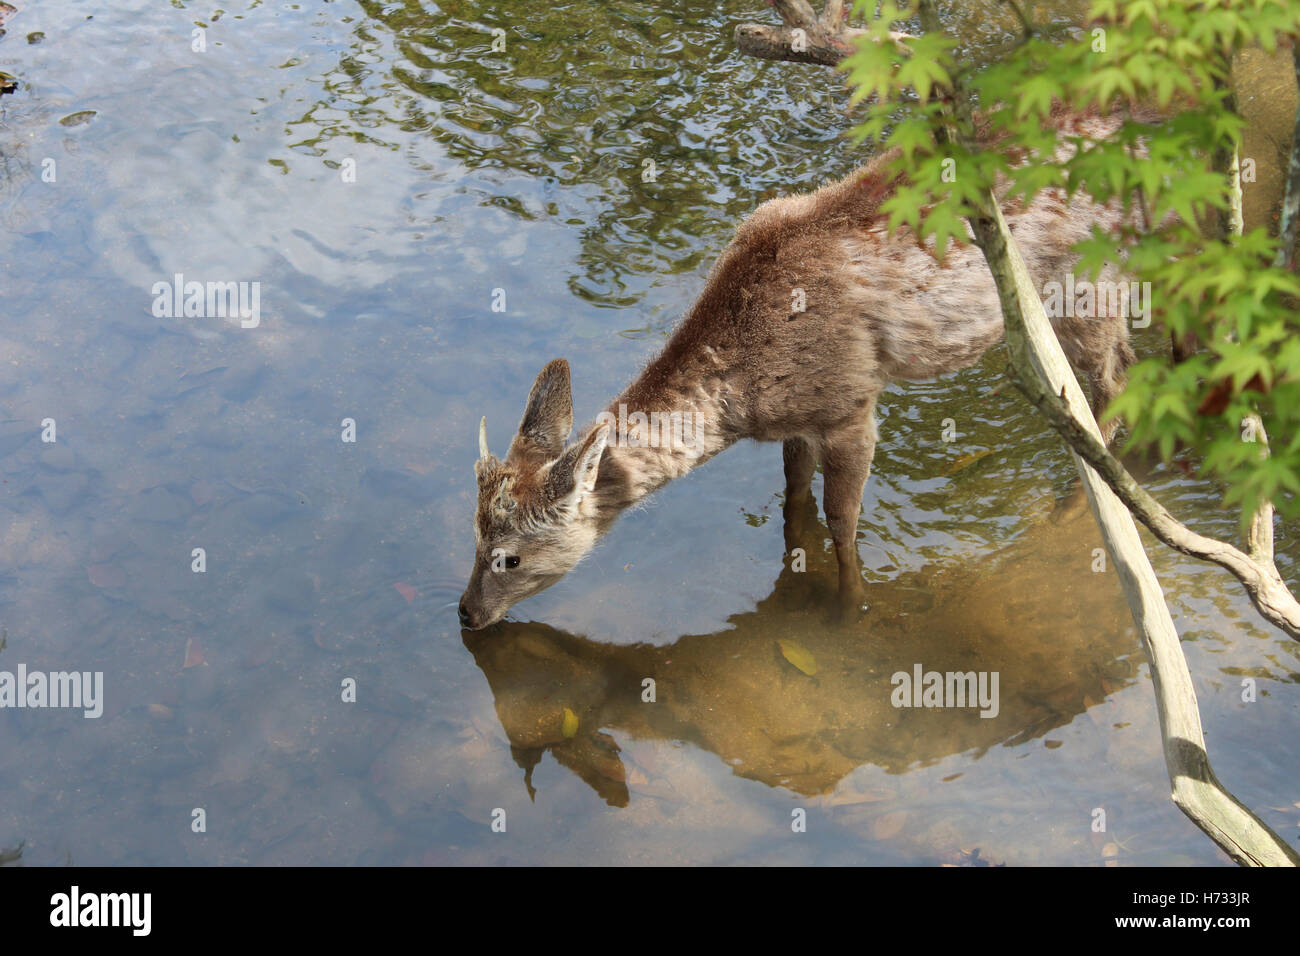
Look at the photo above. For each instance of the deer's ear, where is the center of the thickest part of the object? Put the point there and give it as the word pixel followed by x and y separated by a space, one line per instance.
pixel 587 466
pixel 574 474
pixel 548 417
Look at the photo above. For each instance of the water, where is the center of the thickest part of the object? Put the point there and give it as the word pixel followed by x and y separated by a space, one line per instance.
pixel 518 171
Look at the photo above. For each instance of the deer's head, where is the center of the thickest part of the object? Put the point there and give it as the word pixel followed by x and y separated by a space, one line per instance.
pixel 535 517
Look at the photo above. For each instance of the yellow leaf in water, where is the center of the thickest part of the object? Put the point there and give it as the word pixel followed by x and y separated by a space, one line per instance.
pixel 965 461
pixel 570 726
pixel 799 656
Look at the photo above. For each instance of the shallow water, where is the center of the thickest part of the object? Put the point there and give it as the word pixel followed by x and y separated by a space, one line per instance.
pixel 519 171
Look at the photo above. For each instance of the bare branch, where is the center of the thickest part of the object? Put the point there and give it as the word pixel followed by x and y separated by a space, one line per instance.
pixel 797 13
pixel 1261 522
pixel 1026 28
pixel 832 18
pixel 1256 572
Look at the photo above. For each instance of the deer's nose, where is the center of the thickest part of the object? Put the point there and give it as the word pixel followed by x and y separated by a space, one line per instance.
pixel 463 615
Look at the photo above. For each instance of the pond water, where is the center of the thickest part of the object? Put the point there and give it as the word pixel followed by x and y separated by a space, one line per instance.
pixel 380 171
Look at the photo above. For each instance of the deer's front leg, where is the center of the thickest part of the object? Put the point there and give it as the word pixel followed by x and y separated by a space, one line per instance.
pixel 800 462
pixel 846 464
pixel 800 511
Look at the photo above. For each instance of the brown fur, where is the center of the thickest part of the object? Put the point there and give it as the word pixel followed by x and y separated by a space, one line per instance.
pixel 745 364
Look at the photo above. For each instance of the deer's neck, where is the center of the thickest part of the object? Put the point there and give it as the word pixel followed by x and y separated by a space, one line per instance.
pixel 670 420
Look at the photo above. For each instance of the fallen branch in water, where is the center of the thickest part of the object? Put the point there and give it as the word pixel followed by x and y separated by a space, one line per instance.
pixel 806 37
pixel 1040 368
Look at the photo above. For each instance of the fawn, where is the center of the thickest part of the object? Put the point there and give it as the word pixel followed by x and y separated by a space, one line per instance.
pixel 748 362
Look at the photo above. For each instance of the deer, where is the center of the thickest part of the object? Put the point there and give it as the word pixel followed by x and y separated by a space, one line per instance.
pixel 811 310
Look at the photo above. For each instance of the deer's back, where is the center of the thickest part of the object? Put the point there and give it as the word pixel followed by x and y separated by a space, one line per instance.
pixel 813 307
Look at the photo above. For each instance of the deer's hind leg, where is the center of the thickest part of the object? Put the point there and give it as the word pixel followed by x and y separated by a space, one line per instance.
pixel 846 464
pixel 1107 378
pixel 1099 348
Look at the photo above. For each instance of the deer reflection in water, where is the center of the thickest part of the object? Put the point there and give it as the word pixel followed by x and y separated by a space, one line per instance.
pixel 1035 613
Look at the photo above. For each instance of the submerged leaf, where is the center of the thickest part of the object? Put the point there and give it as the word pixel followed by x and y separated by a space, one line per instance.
pixel 965 461
pixel 193 653
pixel 799 656
pixel 570 725
pixel 79 118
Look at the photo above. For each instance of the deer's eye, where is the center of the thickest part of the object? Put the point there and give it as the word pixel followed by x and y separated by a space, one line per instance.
pixel 512 561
